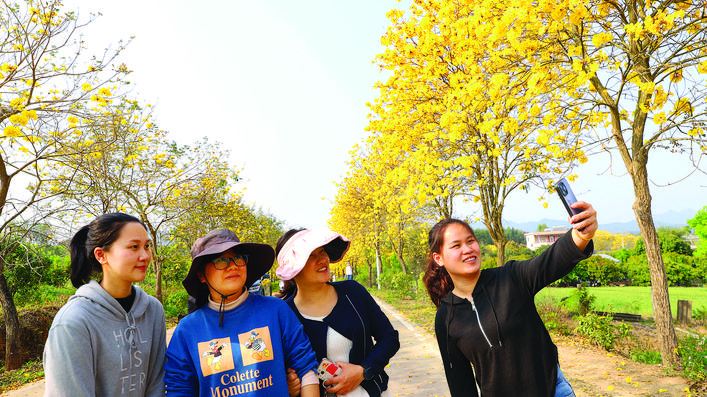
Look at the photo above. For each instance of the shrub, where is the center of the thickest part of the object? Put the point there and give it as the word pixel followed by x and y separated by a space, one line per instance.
pixel 637 270
pixel 601 330
pixel 693 351
pixel 699 313
pixel 554 316
pixel 403 285
pixel 176 303
pixel 602 270
pixel 584 300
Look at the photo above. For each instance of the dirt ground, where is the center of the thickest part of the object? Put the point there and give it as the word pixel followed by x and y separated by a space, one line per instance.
pixel 596 372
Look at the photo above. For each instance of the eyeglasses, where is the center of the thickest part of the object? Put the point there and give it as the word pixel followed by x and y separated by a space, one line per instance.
pixel 223 263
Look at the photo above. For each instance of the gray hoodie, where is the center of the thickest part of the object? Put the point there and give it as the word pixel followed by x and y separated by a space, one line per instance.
pixel 95 348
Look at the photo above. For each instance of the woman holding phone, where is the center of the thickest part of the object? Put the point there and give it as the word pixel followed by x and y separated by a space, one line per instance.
pixel 490 335
pixel 341 319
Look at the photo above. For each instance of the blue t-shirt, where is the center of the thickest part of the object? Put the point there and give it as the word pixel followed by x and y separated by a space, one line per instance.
pixel 248 356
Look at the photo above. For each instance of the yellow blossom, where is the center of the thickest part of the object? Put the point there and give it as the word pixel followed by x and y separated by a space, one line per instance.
pixel 12 131
pixel 32 139
pixel 86 87
pixel 19 119
pixel 73 119
pixel 676 76
pixel 104 91
pixel 660 118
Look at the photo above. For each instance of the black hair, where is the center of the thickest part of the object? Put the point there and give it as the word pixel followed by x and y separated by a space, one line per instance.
pixel 101 232
pixel 436 278
pixel 290 287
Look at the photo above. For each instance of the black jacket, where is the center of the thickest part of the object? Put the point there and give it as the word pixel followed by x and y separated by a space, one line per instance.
pixel 510 349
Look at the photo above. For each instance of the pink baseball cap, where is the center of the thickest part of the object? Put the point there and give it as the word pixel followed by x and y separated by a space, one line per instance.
pixel 294 254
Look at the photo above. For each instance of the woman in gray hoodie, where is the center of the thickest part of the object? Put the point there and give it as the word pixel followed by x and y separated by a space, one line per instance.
pixel 109 338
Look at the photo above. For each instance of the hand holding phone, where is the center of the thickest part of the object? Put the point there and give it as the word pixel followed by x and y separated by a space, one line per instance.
pixel 327 369
pixel 567 196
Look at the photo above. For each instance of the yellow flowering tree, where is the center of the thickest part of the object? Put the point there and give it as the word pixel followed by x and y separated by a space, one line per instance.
pixel 632 77
pixel 44 78
pixel 458 121
pixel 355 216
pixel 619 76
pixel 137 169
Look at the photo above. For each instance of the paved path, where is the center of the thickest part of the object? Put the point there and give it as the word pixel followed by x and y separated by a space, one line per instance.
pixel 417 368
pixel 415 371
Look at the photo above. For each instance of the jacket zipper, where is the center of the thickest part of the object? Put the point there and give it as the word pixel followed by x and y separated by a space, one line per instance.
pixel 481 327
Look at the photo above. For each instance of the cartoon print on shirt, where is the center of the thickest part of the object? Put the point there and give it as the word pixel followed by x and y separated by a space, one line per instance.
pixel 256 343
pixel 256 346
pixel 216 356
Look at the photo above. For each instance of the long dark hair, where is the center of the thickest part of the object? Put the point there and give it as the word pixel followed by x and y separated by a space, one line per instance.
pixel 290 287
pixel 438 282
pixel 101 232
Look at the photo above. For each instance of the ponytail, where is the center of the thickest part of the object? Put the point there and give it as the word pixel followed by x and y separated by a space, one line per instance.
pixel 100 233
pixel 288 290
pixel 437 280
pixel 83 263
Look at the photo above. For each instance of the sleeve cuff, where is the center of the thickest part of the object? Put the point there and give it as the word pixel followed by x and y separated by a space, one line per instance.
pixel 310 378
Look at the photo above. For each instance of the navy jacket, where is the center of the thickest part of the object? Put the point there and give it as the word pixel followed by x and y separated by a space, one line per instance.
pixel 359 318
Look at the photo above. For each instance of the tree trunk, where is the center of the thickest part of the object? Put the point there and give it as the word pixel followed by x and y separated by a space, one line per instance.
pixel 667 338
pixel 13 359
pixel 498 235
pixel 158 279
pixel 378 264
pixel 399 253
pixel 370 272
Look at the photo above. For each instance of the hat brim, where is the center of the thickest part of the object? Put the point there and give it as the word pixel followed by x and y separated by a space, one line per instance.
pixel 294 254
pixel 260 259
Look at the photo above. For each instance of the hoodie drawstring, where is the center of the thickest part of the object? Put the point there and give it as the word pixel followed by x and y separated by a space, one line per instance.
pixel 449 322
pixel 131 330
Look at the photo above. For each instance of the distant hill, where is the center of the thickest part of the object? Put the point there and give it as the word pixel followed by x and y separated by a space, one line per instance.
pixel 670 218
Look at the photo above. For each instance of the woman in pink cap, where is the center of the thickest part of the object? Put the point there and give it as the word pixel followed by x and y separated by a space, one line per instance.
pixel 341 319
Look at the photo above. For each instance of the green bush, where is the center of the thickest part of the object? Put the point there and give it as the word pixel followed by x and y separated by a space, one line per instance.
pixel 176 303
pixel 584 300
pixel 669 242
pixel 693 352
pixel 646 356
pixel 699 313
pixel 554 316
pixel 403 285
pixel 603 270
pixel 637 271
pixel 601 330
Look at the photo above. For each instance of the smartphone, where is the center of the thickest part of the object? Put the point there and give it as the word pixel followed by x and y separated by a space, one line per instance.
pixel 327 369
pixel 567 196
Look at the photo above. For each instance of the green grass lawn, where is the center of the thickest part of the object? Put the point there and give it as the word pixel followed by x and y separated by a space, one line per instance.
pixel 634 300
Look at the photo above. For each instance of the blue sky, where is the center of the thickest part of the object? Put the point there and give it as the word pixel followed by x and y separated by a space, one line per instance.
pixel 284 85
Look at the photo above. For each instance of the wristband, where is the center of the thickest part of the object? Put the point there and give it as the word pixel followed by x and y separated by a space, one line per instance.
pixel 576 233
